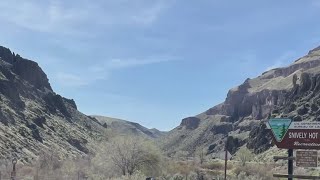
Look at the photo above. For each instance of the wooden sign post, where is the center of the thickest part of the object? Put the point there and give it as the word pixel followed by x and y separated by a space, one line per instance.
pixel 296 135
pixel 290 163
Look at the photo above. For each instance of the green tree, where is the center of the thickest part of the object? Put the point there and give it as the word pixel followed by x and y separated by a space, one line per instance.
pixel 283 131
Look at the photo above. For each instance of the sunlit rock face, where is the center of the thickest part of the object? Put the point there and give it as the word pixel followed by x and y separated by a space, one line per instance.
pixel 291 91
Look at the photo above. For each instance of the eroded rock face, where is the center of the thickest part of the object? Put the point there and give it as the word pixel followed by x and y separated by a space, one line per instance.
pixel 33 118
pixel 55 104
pixel 258 105
pixel 291 69
pixel 40 122
pixel 10 90
pixel 260 139
pixel 317 49
pixel 26 69
pixel 234 144
pixel 6 55
pixel 71 102
pixel 240 103
pixel 223 128
pixel 190 123
pixel 230 106
pixel 31 72
pixel 79 144
pixel 35 132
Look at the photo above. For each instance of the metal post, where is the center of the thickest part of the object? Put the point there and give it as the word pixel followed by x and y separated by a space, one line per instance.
pixel 225 163
pixel 13 173
pixel 290 163
pixel 226 158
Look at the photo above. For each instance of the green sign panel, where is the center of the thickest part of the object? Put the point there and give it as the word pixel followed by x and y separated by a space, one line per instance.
pixel 279 127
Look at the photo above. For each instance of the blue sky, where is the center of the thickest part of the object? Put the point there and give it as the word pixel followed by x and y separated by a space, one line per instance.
pixel 156 61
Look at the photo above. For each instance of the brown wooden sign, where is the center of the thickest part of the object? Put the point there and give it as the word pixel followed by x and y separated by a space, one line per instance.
pixel 306 159
pixel 295 135
pixel 300 139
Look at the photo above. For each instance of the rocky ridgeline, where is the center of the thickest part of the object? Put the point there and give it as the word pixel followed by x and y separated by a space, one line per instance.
pixel 291 91
pixel 33 118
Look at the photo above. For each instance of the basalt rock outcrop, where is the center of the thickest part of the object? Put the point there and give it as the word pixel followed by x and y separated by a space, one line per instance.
pixel 33 118
pixel 291 91
pixel 190 123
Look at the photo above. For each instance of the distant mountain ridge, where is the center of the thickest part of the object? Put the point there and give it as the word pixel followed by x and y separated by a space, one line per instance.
pixel 291 91
pixel 123 127
pixel 34 119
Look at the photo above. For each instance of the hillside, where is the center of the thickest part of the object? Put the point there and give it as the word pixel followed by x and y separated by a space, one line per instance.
pixel 34 119
pixel 123 127
pixel 291 91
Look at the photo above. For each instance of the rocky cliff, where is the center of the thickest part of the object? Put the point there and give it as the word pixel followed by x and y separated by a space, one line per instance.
pixel 291 91
pixel 33 118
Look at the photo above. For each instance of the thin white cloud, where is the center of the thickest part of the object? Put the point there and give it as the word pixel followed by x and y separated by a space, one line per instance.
pixel 276 64
pixel 127 63
pixel 114 64
pixel 72 80
pixel 283 60
pixel 32 15
pixel 57 17
pixel 104 71
pixel 75 80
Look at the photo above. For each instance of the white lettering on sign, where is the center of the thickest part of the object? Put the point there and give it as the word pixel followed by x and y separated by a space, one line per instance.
pixel 306 158
pixel 296 143
pixel 305 125
pixel 313 135
pixel 297 135
pixel 303 135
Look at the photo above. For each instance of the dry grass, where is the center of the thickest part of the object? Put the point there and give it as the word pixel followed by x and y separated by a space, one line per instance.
pixel 263 171
pixel 97 168
pixel 214 165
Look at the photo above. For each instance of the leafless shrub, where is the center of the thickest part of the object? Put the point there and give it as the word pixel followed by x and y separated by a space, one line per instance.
pixel 262 172
pixel 213 165
pixel 201 155
pixel 130 155
pixel 244 155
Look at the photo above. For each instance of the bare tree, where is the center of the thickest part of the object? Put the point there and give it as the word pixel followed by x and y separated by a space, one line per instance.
pixel 132 154
pixel 201 154
pixel 244 155
pixel 46 164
